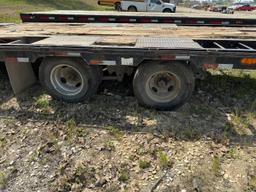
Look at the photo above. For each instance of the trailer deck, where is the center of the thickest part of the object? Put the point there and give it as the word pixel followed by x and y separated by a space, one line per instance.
pixel 127 17
pixel 124 30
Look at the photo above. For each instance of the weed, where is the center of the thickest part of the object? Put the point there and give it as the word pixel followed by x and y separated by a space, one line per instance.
pixel 233 152
pixel 9 122
pixel 216 165
pixel 164 161
pixel 110 145
pixel 124 175
pixel 3 180
pixel 144 164
pixel 42 103
pixel 252 182
pixel 115 132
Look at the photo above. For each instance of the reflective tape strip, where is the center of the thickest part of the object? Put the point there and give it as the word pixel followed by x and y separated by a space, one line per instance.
pixel 200 22
pixel 154 20
pixel 132 20
pixel 91 19
pixel 182 57
pixel 177 21
pixel 108 62
pixel 51 18
pixel 71 18
pixel 225 66
pixel 111 19
pixel 74 54
pixel 23 59
pixel 225 22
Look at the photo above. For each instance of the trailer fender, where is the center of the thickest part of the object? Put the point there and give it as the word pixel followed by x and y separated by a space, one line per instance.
pixel 20 73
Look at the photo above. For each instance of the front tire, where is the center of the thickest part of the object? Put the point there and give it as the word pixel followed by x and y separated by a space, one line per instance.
pixel 164 86
pixel 132 9
pixel 70 80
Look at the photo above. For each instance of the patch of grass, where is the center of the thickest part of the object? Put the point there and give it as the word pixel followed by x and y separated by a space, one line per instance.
pixel 115 132
pixel 242 121
pixel 10 9
pixel 252 182
pixel 109 145
pixel 216 166
pixel 164 160
pixel 144 164
pixel 42 103
pixel 3 180
pixel 73 130
pixel 9 122
pixel 233 152
pixel 124 175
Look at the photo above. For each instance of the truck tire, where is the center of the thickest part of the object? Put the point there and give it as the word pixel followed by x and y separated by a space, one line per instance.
pixel 163 86
pixel 70 80
pixel 132 9
pixel 167 11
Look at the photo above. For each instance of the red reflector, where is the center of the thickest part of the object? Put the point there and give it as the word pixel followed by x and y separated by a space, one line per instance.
pixel 103 19
pixel 168 57
pixel 215 22
pixel 145 20
pixel 123 20
pixel 168 21
pixel 210 66
pixel 45 18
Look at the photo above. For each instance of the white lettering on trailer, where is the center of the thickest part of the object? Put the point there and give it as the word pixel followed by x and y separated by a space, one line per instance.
pixel 91 19
pixel 225 66
pixel 23 59
pixel 74 54
pixel 127 61
pixel 108 62
pixel 112 19
pixel 132 20
pixel 182 57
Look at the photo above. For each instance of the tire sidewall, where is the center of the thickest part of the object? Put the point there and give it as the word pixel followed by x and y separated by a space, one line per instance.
pixel 88 75
pixel 144 72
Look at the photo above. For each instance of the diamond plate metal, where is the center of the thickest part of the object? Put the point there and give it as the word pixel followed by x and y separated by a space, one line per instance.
pixel 172 43
pixel 68 40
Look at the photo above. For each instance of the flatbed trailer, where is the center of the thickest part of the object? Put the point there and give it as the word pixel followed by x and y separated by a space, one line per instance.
pixel 164 69
pixel 127 17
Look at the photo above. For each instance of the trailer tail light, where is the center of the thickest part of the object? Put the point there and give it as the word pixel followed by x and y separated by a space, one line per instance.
pixel 248 61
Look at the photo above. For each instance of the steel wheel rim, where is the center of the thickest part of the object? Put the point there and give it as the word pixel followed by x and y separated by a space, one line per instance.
pixel 163 86
pixel 67 80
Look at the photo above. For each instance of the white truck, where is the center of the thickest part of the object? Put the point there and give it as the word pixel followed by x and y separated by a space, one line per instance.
pixel 147 6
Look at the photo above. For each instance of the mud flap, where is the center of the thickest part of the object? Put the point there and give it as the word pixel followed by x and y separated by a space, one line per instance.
pixel 20 73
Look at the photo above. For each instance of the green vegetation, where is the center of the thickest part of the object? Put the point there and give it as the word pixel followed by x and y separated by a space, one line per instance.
pixel 164 161
pixel 144 164
pixel 124 175
pixel 42 103
pixel 216 166
pixel 10 10
pixel 3 180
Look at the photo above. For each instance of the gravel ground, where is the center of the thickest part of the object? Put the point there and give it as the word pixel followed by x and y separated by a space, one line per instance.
pixel 112 144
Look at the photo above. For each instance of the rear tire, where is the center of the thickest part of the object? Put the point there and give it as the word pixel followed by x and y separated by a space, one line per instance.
pixel 132 9
pixel 163 86
pixel 70 80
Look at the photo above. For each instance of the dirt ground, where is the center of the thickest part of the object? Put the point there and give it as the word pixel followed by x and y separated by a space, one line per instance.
pixel 112 144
